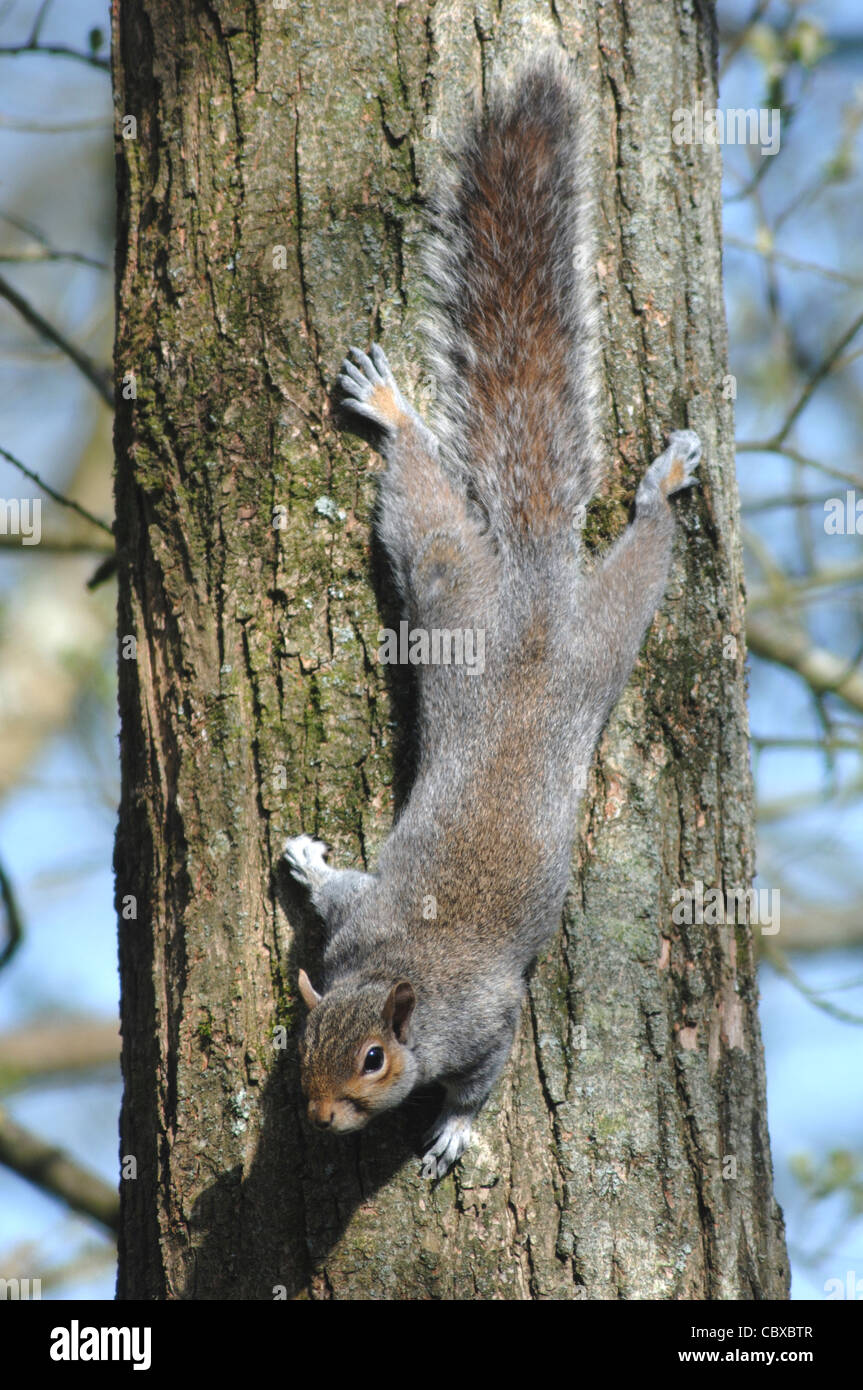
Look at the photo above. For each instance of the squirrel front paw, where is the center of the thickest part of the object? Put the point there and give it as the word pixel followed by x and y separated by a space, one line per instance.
pixel 368 388
pixel 674 469
pixel 305 859
pixel 446 1143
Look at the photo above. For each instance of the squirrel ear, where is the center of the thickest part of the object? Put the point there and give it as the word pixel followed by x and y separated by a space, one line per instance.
pixel 310 995
pixel 399 1007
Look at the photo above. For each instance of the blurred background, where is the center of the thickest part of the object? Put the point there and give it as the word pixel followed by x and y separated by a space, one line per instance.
pixel 794 295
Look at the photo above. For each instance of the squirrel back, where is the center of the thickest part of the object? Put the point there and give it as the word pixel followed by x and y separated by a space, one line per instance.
pixel 513 323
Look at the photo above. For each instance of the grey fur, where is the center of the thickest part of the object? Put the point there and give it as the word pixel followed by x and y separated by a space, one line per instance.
pixel 486 835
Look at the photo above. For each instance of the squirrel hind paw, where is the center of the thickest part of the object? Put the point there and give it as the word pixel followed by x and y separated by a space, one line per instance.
pixel 683 455
pixel 446 1146
pixel 305 858
pixel 675 468
pixel 686 446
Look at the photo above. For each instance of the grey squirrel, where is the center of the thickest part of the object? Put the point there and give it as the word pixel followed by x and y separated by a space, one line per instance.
pixel 426 958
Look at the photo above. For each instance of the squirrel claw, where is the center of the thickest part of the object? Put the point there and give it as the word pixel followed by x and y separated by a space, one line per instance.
pixel 446 1146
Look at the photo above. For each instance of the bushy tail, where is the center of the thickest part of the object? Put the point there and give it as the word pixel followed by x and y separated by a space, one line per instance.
pixel 513 325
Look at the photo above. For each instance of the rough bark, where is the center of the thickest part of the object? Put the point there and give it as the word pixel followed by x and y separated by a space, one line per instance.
pixel 254 707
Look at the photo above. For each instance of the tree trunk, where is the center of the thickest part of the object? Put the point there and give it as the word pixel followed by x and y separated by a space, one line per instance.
pixel 269 215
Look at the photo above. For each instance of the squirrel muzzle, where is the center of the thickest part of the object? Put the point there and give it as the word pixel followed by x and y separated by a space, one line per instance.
pixel 340 1116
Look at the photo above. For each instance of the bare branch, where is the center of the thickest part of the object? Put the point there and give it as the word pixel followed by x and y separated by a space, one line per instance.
pixel 104 571
pixel 771 253
pixel 37 257
pixel 46 1049
pixel 39 21
pixel 50 253
pixel 824 672
pixel 99 377
pixel 52 492
pixel 96 1257
pixel 58 545
pixel 736 41
pixel 783 590
pixel 783 499
pixel 55 1172
pixel 772 446
pixel 782 807
pixel 776 444
pixel 816 927
pixel 849 744
pixel 49 128
pixel 779 961
pixel 57 50
pixel 823 370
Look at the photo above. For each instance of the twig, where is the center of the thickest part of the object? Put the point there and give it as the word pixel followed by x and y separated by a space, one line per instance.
pixel 852 745
pixel 794 262
pixel 57 50
pixel 780 964
pixel 39 21
pixel 52 492
pixel 37 257
pixel 96 375
pixel 736 42
pixel 51 254
pixel 783 499
pixel 824 369
pixel 14 925
pixel 92 1259
pixel 772 446
pixel 58 545
pixel 103 571
pixel 40 128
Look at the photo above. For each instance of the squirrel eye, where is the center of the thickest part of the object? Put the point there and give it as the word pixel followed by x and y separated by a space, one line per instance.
pixel 374 1059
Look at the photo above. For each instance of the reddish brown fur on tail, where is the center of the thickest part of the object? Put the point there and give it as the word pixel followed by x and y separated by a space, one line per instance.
pixel 515 331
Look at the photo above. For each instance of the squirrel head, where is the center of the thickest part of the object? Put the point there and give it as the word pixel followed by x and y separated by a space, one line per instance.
pixel 354 1058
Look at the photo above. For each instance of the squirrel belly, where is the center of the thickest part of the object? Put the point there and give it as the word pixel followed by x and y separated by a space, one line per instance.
pixel 426 958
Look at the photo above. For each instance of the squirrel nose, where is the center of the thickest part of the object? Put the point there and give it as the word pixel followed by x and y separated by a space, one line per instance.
pixel 321 1113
